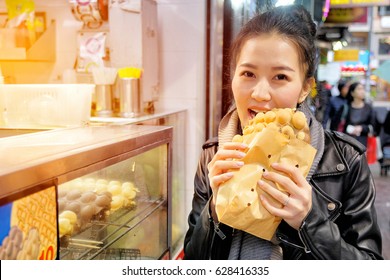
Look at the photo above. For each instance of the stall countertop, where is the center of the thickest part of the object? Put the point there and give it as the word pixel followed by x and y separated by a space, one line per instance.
pixel 21 151
pixel 142 118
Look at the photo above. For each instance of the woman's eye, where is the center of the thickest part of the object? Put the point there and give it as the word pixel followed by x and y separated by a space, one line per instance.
pixel 248 74
pixel 281 77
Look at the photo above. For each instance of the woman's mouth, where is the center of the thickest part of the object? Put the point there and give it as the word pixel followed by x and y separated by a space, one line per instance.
pixel 252 113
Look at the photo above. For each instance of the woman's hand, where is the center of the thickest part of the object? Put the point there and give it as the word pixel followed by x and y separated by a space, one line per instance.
pixel 297 202
pixel 227 158
pixel 358 130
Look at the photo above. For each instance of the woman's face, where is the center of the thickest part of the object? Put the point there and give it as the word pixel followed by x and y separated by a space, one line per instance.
pixel 268 75
pixel 359 92
pixel 344 90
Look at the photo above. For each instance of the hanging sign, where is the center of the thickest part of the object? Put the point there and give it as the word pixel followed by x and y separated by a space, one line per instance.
pixel 347 15
pixel 346 55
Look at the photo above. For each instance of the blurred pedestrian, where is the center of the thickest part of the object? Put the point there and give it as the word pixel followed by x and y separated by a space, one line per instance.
pixel 360 119
pixel 334 105
pixel 322 99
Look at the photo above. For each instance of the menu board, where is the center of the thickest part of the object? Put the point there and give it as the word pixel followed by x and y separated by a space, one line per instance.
pixel 28 227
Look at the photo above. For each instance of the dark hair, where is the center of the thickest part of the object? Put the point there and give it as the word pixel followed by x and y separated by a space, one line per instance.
pixel 293 22
pixel 341 84
pixel 351 89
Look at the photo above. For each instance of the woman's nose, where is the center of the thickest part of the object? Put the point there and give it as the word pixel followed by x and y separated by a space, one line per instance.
pixel 261 91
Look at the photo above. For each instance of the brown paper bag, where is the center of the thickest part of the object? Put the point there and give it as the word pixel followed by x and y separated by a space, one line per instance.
pixel 238 201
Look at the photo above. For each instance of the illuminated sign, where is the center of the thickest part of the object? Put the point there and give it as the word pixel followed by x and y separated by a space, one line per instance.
pixel 346 55
pixel 347 15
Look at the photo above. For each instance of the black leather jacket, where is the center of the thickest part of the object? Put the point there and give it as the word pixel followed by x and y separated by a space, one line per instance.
pixel 342 223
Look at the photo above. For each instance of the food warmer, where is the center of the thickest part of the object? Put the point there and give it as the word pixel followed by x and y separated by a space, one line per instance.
pixel 98 192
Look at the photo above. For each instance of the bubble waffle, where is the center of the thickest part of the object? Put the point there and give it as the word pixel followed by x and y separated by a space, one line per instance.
pixel 291 123
pixel 30 249
pixel 12 244
pixel 77 209
pixel 123 194
pixel 84 200
pixel 37 211
pixel 279 135
pixel 66 222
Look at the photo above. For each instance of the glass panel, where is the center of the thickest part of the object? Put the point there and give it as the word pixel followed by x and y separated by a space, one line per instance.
pixel 107 213
pixel 179 214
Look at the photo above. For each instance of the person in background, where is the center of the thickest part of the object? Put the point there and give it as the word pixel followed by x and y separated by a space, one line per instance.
pixel 330 214
pixel 334 105
pixel 322 99
pixel 360 119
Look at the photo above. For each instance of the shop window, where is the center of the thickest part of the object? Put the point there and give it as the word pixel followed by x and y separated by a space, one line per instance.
pixel 384 46
pixel 384 11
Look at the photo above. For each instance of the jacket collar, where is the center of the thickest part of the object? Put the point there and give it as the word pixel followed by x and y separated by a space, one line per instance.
pixel 332 163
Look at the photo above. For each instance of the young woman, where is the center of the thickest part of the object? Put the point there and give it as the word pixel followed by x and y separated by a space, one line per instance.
pixel 329 214
pixel 360 119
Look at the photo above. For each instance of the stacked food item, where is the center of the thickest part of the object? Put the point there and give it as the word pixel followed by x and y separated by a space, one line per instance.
pixel 32 232
pixel 279 135
pixel 12 244
pixel 83 200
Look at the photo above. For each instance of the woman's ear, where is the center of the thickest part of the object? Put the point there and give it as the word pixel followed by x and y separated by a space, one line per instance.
pixel 307 87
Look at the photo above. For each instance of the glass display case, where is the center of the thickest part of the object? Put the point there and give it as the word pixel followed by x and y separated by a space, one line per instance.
pixel 87 193
pixel 177 118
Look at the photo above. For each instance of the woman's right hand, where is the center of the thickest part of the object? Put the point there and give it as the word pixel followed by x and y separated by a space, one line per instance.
pixel 227 158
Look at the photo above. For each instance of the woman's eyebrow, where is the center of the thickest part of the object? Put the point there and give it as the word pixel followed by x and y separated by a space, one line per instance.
pixel 247 64
pixel 286 68
pixel 277 68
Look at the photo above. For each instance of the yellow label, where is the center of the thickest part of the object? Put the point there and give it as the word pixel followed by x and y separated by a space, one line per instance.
pixel 339 2
pixel 346 55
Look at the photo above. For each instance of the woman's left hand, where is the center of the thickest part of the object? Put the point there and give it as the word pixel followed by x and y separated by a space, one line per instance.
pixel 296 201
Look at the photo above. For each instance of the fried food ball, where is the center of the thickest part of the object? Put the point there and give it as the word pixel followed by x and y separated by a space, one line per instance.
pixel 270 116
pixel 283 116
pixel 289 131
pixel 299 120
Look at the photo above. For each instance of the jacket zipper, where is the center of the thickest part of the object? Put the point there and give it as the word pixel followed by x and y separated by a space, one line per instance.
pixel 217 231
pixel 290 243
pixel 300 234
pixel 212 243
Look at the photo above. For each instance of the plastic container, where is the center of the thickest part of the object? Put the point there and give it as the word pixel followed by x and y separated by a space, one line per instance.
pixel 46 105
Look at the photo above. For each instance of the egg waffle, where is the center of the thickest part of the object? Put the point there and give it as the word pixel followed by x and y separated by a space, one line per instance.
pixel 38 211
pixel 276 136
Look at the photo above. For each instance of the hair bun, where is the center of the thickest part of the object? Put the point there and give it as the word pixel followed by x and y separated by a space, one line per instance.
pixel 299 12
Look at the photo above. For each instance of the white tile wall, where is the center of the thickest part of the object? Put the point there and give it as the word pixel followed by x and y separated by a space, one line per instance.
pixel 182 26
